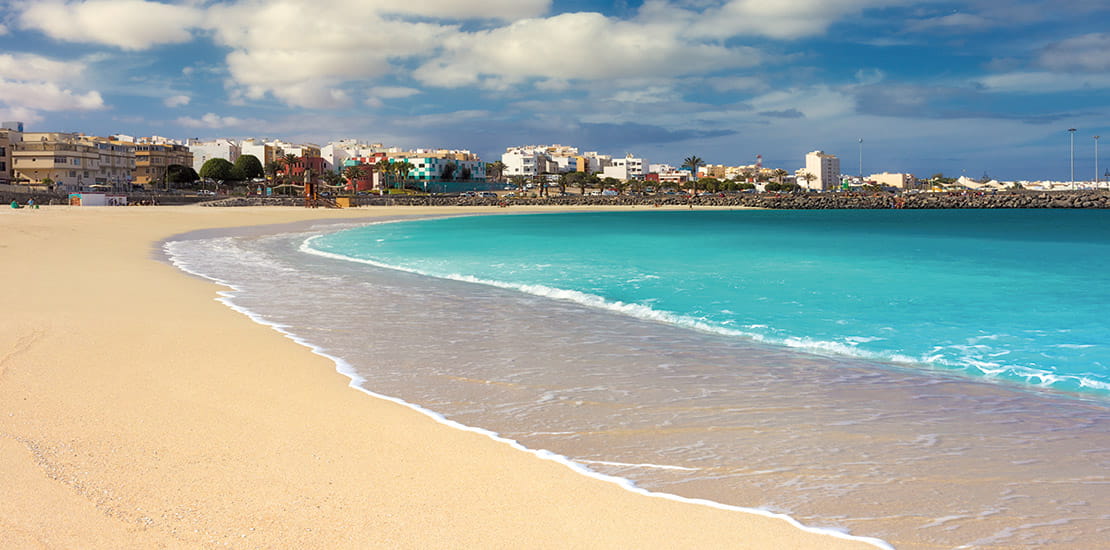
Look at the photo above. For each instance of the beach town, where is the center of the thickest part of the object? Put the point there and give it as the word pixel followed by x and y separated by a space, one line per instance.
pixel 651 274
pixel 56 165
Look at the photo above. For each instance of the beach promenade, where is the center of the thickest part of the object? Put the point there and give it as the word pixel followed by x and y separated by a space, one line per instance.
pixel 136 411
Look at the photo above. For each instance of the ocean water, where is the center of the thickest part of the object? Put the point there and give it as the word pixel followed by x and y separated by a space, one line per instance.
pixel 931 378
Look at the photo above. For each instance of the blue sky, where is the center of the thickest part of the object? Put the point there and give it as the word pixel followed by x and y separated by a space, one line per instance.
pixel 973 87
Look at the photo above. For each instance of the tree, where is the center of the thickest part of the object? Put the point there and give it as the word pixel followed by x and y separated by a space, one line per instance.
pixel 178 174
pixel 353 173
pixel 249 166
pixel 519 182
pixel 385 168
pixel 448 172
pixel 271 170
pixel 465 173
pixel 780 174
pixel 692 162
pixel 494 170
pixel 332 178
pixel 287 161
pixel 710 184
pixel 217 169
pixel 403 170
pixel 808 177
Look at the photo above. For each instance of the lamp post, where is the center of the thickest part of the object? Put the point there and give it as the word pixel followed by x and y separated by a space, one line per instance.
pixel 1096 162
pixel 1071 138
pixel 861 161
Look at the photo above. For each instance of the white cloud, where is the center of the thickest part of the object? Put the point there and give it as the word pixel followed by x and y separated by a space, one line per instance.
pixel 212 120
pixel 47 96
pixel 1044 82
pixel 127 24
pixel 454 9
pixel 586 46
pixel 952 21
pixel 393 92
pixel 176 101
pixel 31 83
pixel 286 49
pixel 36 67
pixel 815 102
pixel 771 18
pixel 1089 52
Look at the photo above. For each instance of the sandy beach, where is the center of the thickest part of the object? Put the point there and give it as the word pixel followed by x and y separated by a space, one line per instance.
pixel 136 411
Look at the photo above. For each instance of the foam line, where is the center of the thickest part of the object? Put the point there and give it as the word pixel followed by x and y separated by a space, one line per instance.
pixel 225 297
pixel 978 369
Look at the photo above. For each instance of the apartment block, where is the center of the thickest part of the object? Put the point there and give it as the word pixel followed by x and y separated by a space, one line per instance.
pixel 7 137
pixel 69 162
pixel 826 171
pixel 153 155
pixel 204 151
pixel 887 179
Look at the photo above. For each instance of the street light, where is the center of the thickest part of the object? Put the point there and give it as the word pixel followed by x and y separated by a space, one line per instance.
pixel 1096 162
pixel 861 161
pixel 1071 136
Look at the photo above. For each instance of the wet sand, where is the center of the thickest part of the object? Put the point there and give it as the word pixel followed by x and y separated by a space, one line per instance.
pixel 136 411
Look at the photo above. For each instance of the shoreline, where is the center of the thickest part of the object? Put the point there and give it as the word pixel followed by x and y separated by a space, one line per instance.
pixel 155 417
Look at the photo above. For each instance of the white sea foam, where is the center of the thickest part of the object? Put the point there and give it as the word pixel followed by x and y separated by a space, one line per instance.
pixel 968 358
pixel 226 297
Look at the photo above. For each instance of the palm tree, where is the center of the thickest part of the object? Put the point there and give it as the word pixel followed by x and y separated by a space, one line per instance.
pixel 494 170
pixel 353 173
pixel 383 167
pixel 693 161
pixel 403 169
pixel 271 170
pixel 519 182
pixel 808 177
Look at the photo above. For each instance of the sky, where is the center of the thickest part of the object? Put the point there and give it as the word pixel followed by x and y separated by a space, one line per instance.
pixel 963 88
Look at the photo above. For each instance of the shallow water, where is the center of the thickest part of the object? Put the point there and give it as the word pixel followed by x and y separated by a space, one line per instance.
pixel 921 458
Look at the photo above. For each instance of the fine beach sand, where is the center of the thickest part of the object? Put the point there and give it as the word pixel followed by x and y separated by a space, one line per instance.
pixel 136 411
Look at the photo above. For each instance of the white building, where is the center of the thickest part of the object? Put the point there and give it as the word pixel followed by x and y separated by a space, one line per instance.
pixel 901 181
pixel 825 169
pixel 523 161
pixel 626 168
pixel 203 151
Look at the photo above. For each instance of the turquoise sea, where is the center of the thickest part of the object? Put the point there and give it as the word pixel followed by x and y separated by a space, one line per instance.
pixel 930 378
pixel 1020 296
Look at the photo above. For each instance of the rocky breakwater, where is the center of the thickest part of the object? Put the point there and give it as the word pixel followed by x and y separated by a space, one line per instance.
pixel 795 201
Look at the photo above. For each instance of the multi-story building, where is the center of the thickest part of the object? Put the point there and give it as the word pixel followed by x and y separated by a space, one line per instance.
pixel 65 160
pixel 825 169
pixel 901 181
pixel 116 168
pixel 204 151
pixel 531 160
pixel 626 168
pixel 7 137
pixel 523 161
pixel 263 151
pixel 428 169
pixel 301 150
pixel 153 156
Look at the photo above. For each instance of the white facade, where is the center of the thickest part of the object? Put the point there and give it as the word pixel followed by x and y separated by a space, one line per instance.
pixel 203 151
pixel 825 168
pixel 630 165
pixel 522 161
pixel 901 181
